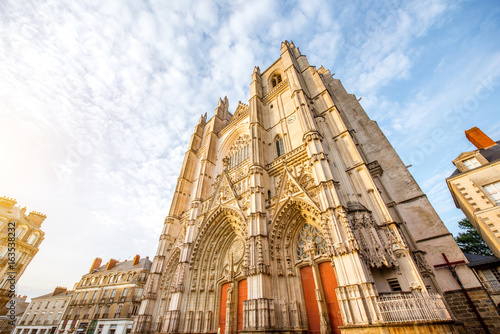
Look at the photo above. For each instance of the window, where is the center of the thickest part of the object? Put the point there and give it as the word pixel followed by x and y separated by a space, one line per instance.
pixel 84 299
pixel 106 312
pixel 32 239
pixel 124 292
pixel 86 315
pixel 493 190
pixel 105 293
pixel 118 311
pixel 69 313
pixel 78 313
pixel 98 312
pixel 139 293
pixel 55 304
pixel 276 79
pixel 394 284
pixel 20 232
pixel 47 305
pixel 280 148
pixel 93 297
pixel 496 273
pixel 135 309
pixel 113 293
pixel 239 152
pixel 471 163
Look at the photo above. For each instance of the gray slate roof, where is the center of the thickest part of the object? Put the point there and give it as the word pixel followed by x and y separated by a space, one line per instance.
pixel 491 154
pixel 481 260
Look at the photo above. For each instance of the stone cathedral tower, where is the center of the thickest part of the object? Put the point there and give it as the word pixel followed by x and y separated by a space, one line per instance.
pixel 295 214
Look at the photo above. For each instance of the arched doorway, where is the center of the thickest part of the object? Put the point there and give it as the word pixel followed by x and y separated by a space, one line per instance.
pixel 233 294
pixel 318 281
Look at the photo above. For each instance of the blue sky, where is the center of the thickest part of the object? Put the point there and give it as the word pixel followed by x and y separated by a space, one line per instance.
pixel 98 100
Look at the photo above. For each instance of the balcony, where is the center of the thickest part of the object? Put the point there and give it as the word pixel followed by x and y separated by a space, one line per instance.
pixel 493 287
pixel 414 307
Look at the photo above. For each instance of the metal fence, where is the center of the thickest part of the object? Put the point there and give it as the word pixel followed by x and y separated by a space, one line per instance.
pixel 415 306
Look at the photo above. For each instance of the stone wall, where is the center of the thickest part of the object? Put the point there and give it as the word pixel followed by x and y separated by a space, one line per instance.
pixel 463 311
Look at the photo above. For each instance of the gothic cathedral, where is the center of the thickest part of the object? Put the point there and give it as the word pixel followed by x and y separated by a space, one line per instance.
pixel 295 214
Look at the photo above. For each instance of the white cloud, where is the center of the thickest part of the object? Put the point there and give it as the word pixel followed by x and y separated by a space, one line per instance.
pixel 98 101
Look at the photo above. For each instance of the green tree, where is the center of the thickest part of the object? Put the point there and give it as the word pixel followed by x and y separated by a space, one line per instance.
pixel 470 241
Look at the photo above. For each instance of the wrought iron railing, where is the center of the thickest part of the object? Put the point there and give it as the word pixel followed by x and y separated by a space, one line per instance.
pixel 414 306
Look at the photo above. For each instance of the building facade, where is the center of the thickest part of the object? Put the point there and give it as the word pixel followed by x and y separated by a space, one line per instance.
pixel 295 214
pixel 475 187
pixel 487 269
pixel 20 238
pixel 13 311
pixel 107 298
pixel 44 313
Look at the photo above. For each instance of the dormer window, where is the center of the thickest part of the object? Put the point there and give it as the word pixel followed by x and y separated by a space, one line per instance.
pixel 280 148
pixel 276 79
pixel 471 163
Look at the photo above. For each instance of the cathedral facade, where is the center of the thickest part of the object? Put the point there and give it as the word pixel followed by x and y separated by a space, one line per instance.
pixel 295 214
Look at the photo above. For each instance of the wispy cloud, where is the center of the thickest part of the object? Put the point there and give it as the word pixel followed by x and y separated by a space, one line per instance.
pixel 98 99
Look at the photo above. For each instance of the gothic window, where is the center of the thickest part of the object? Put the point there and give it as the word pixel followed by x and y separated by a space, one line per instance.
pixel 239 152
pixel 310 239
pixel 280 148
pixel 276 79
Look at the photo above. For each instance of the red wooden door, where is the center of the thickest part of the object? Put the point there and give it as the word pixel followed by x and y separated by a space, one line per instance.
pixel 329 282
pixel 242 296
pixel 312 309
pixel 223 300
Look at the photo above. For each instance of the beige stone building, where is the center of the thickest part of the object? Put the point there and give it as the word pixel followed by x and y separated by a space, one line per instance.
pixel 44 313
pixel 20 238
pixel 10 319
pixel 295 214
pixel 475 187
pixel 107 298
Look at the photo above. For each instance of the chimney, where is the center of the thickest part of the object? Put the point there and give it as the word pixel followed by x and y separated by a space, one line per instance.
pixel 111 264
pixel 36 218
pixel 59 290
pixel 136 260
pixel 478 138
pixel 96 264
